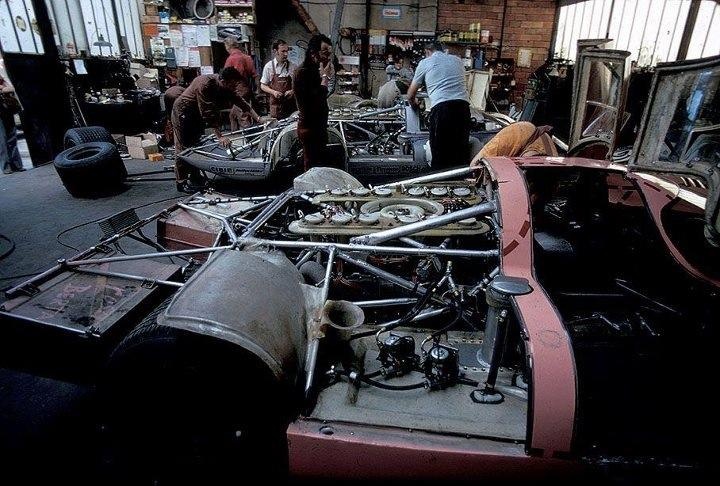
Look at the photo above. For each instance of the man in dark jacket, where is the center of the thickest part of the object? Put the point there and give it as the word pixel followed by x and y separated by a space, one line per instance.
pixel 199 105
pixel 311 91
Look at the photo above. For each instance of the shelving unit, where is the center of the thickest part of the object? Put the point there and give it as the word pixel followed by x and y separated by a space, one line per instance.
pixel 165 36
pixel 502 83
pixel 348 82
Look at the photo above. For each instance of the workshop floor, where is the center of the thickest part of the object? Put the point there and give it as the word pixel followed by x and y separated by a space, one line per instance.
pixel 47 426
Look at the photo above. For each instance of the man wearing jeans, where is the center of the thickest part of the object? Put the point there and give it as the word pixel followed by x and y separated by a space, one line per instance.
pixel 444 77
pixel 9 154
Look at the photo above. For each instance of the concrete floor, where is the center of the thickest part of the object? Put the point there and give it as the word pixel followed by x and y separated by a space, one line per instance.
pixel 47 426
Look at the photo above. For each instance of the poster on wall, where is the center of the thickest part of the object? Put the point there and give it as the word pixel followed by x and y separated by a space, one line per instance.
pixel 392 12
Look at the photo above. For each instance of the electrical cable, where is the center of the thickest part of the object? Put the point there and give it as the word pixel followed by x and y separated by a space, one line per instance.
pixel 10 249
pixel 404 319
pixel 458 316
pixel 378 384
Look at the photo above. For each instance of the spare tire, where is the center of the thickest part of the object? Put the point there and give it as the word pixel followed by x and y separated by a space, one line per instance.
pixel 76 136
pixel 91 169
pixel 199 9
pixel 177 405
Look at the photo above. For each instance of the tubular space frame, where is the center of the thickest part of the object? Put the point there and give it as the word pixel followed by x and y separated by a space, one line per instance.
pixel 247 238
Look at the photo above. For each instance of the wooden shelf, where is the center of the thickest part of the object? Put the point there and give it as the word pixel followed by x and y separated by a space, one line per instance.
pixel 234 5
pixel 476 44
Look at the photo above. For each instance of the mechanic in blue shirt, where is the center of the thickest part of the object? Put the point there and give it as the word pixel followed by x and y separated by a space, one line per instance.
pixel 444 77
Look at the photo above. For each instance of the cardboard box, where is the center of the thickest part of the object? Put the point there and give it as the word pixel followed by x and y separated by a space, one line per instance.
pixel 156 157
pixel 142 144
pixel 150 19
pixel 151 10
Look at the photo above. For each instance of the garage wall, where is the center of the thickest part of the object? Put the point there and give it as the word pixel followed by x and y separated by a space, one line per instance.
pixel 414 14
pixel 528 25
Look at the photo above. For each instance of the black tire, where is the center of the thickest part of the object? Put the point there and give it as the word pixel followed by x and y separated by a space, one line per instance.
pixel 76 136
pixel 195 9
pixel 91 169
pixel 180 407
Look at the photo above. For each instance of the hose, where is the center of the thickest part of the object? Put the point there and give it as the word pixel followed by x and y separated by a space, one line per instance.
pixel 378 384
pixel 458 316
pixel 421 303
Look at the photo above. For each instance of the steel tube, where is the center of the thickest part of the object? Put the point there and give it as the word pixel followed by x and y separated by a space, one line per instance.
pixel 310 200
pixel 212 155
pixel 90 251
pixel 384 302
pixel 314 343
pixel 399 250
pixel 144 256
pixel 127 276
pixel 367 132
pixel 328 272
pixel 379 112
pixel 430 223
pixel 439 176
pixel 411 242
pixel 268 212
pixel 306 257
pixel 43 323
pixel 202 200
pixel 390 277
pixel 223 219
pixel 420 317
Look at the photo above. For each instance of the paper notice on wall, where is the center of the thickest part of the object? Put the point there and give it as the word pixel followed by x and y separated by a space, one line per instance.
pixel 181 56
pixel 194 57
pixel 164 31
pixel 206 70
pixel 213 33
pixel 79 66
pixel 189 33
pixel 203 35
pixel 176 38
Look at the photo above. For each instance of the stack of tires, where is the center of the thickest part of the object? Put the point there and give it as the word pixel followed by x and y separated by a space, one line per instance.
pixel 90 165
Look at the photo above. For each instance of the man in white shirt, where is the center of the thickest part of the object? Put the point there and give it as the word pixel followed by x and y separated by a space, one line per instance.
pixel 444 77
pixel 277 81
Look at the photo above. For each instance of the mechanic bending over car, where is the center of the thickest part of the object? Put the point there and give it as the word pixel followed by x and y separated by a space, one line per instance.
pixel 197 106
pixel 277 81
pixel 444 77
pixel 311 92
pixel 520 139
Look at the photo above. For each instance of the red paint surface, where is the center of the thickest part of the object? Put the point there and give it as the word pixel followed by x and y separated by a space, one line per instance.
pixel 362 452
pixel 554 383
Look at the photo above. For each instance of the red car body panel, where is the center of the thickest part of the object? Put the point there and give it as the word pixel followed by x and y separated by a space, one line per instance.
pixel 364 452
pixel 554 383
pixel 319 449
